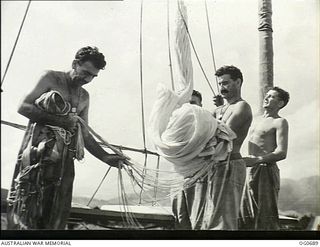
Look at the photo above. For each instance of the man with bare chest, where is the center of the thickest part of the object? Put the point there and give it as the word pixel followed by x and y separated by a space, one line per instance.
pixel 41 190
pixel 187 206
pixel 227 179
pixel 268 144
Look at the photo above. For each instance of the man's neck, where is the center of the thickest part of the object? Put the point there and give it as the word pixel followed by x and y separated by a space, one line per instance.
pixel 72 83
pixel 234 99
pixel 270 113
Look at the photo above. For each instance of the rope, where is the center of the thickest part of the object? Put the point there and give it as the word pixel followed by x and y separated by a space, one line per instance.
pixel 144 172
pixel 211 44
pixel 23 127
pixel 15 43
pixel 156 183
pixel 94 194
pixel 141 81
pixel 142 101
pixel 169 47
pixel 128 218
pixel 14 125
pixel 194 50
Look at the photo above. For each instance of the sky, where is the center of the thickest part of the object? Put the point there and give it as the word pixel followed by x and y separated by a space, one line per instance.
pixel 55 30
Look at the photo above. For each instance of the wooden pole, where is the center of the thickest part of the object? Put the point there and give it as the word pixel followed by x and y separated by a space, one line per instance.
pixel 266 49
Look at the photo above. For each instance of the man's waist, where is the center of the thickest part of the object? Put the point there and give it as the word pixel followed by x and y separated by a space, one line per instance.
pixel 235 156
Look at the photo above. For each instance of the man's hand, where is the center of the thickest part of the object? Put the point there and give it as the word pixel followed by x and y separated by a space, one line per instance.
pixel 252 161
pixel 218 100
pixel 70 123
pixel 114 160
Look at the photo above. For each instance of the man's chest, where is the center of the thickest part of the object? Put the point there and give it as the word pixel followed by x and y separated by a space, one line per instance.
pixel 71 95
pixel 264 128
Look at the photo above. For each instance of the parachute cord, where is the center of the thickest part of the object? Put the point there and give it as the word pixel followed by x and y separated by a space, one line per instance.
pixel 211 44
pixel 94 194
pixel 144 173
pixel 156 182
pixel 194 50
pixel 169 46
pixel 15 44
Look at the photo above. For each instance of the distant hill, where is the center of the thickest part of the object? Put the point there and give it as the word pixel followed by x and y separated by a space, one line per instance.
pixel 132 198
pixel 297 197
pixel 302 196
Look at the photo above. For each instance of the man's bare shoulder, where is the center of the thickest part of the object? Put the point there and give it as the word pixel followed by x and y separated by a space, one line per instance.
pixel 243 107
pixel 52 73
pixel 84 94
pixel 281 122
pixel 52 77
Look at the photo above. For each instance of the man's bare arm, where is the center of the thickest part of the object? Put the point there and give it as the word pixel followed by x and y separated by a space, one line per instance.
pixel 35 114
pixel 93 146
pixel 239 117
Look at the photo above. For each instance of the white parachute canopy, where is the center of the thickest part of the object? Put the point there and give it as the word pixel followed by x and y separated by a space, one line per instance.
pixel 186 135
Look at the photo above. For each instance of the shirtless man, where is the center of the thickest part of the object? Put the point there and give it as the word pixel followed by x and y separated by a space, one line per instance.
pixel 268 144
pixel 41 190
pixel 228 178
pixel 187 205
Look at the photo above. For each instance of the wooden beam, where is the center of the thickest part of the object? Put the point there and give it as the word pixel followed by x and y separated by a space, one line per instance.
pixel 266 49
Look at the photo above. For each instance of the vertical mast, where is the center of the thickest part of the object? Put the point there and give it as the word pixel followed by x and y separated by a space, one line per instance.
pixel 266 49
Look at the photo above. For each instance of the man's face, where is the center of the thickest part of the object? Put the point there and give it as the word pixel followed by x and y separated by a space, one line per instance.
pixel 195 100
pixel 84 72
pixel 228 86
pixel 271 100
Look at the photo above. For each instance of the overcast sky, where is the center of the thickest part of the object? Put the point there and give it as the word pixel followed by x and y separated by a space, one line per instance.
pixel 55 30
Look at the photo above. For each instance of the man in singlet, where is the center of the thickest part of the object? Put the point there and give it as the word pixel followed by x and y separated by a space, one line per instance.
pixel 268 144
pixel 228 178
pixel 41 190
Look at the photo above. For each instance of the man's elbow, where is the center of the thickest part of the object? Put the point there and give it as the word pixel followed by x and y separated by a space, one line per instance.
pixel 282 155
pixel 23 110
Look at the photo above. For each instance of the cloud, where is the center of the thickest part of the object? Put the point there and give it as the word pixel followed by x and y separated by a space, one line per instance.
pixel 303 149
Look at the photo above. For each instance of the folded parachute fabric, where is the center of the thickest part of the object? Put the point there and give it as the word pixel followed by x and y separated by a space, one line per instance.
pixel 54 103
pixel 187 135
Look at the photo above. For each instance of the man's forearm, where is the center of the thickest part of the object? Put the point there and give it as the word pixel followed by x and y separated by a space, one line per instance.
pixel 37 115
pixel 93 147
pixel 271 157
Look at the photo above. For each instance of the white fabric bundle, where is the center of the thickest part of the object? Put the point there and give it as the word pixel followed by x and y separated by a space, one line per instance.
pixel 187 135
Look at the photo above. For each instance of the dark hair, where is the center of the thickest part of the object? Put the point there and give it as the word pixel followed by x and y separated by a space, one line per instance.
pixel 197 94
pixel 282 95
pixel 91 54
pixel 231 70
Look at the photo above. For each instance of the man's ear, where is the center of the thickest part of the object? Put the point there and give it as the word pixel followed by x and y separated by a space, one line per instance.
pixel 239 82
pixel 281 104
pixel 74 63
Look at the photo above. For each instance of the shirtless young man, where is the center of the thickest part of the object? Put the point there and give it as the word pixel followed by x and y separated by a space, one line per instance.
pixel 268 144
pixel 228 178
pixel 41 191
